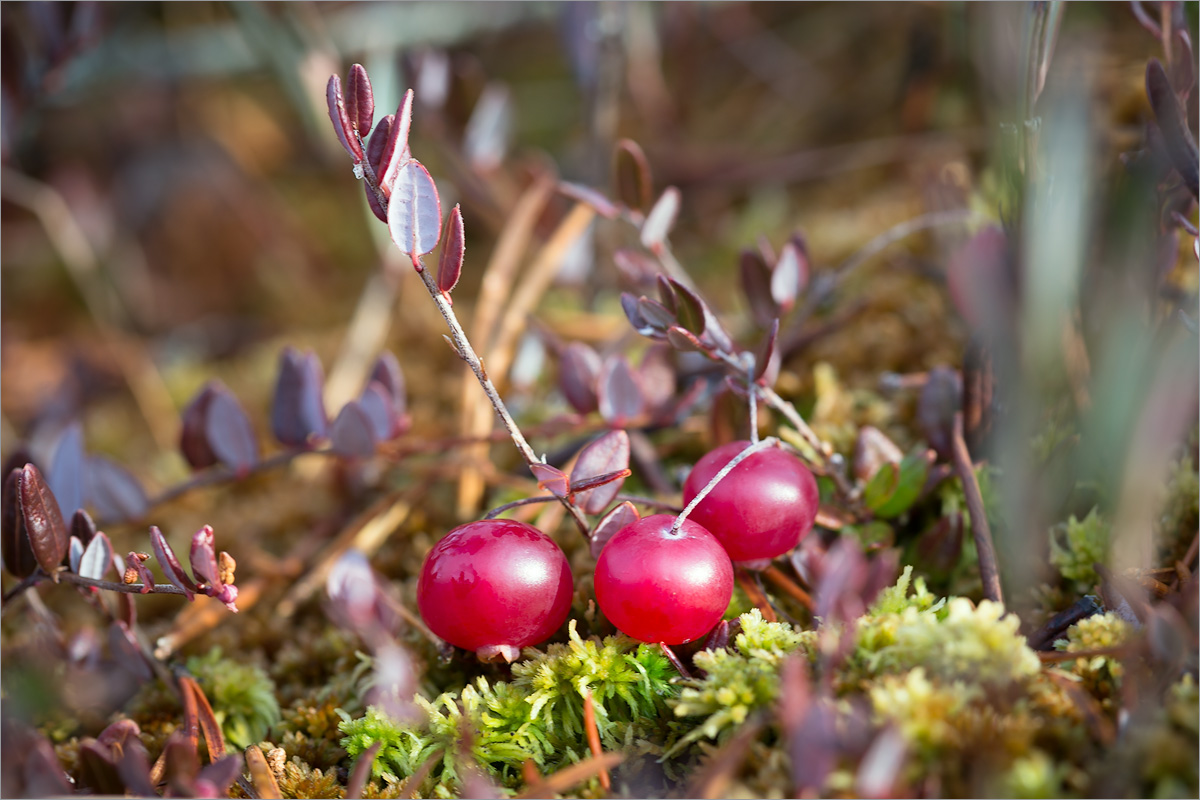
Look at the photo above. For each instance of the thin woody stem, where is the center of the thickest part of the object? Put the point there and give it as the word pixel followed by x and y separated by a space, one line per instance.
pixel 524 501
pixel 79 580
pixel 372 180
pixel 989 570
pixel 459 338
pixel 770 441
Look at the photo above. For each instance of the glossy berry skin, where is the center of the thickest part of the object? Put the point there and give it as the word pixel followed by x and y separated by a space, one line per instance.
pixel 495 584
pixel 762 509
pixel 661 587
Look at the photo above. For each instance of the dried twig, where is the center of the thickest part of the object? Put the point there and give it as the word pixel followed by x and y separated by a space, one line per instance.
pixel 989 570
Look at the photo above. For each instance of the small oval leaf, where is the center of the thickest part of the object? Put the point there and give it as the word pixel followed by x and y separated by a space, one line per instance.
pixel 589 197
pixel 660 220
pixel 113 490
pixel 756 285
pixel 97 558
pixel 787 277
pixel 18 552
pixel 632 172
pixel 414 211
pixel 684 340
pixel 169 562
pixel 768 360
pixel 656 315
pixel 229 432
pixel 352 434
pixel 193 436
pixel 397 152
pixel 360 100
pixel 607 453
pixel 388 374
pixel 43 523
pixel 377 405
pixel 578 369
pixel 552 479
pixel 453 250
pixel 65 475
pixel 340 119
pixel 619 394
pixel 82 526
pixel 297 408
pixel 74 554
pixel 621 516
pixel 689 308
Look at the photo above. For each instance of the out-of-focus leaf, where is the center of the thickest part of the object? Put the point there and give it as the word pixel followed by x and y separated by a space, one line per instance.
pixel 97 770
pixel 203 557
pixel 388 374
pixel 578 370
pixel 938 550
pixel 354 594
pixel 684 340
pixel 396 154
pixel 756 284
pixel 589 197
pixel 82 526
pixel 715 332
pixel 689 308
pixel 768 360
pixel 297 409
pixel 618 393
pixel 414 211
pixel 789 277
pixel 632 307
pixel 632 172
pixel 43 523
pixel 377 155
pixel 378 407
pixel 18 552
pixel 74 554
pixel 193 437
pixel 485 139
pixel 65 475
pixel 980 278
pixel 873 449
pixel 113 490
pixel 169 562
pixel 340 119
pixel 656 315
pixel 360 100
pixel 215 779
pixel 609 452
pixel 939 401
pixel 637 266
pixel 657 377
pixel 97 558
pixel 621 516
pixel 353 434
pixel 229 432
pixel 1172 121
pixel 660 220
pixel 552 479
pixel 894 488
pixel 453 250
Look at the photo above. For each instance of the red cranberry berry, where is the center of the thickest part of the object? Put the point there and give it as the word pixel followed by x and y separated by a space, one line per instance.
pixel 659 586
pixel 495 586
pixel 762 509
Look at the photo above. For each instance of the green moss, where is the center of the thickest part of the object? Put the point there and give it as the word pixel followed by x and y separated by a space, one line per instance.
pixel 1077 545
pixel 1180 515
pixel 242 696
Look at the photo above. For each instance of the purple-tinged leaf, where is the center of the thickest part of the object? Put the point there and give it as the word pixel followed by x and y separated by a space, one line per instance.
pixel 215 779
pixel 74 554
pixel 684 340
pixel 589 197
pixel 82 526
pixel 607 453
pixel 636 266
pixel 17 551
pixel 414 211
pixel 768 360
pixel 43 523
pixel 354 593
pixel 297 408
pixel 660 220
pixel 230 434
pixel 980 278
pixel 603 479
pixel 203 557
pixel 789 277
pixel 97 771
pixel 632 307
pixel 388 374
pixel 340 119
pixel 619 394
pixel 485 139
pixel 666 294
pixel 1172 121
pixel 453 251
pixel 397 154
pixel 689 308
pixel 376 153
pixel 578 369
pixel 136 571
pixel 353 434
pixel 65 475
pixel 656 315
pixel 756 284
pixel 171 566
pixel 193 437
pixel 394 684
pixel 940 399
pixel 377 405
pixel 360 100
pixel 113 490
pixel 715 332
pixel 657 376
pixel 97 558
pixel 552 479
pixel 621 516
pixel 632 171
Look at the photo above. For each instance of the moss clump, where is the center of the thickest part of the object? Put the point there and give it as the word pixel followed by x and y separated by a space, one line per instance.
pixel 1076 546
pixel 242 696
pixel 1100 675
pixel 1180 516
pixel 300 780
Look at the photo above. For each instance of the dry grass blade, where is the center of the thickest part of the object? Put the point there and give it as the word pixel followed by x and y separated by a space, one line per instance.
pixel 361 772
pixel 713 780
pixel 202 616
pixel 572 776
pixel 261 776
pixel 757 596
pixel 789 587
pixel 593 735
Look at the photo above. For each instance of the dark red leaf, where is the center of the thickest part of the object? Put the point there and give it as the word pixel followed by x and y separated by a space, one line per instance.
pixel 660 220
pixel 377 154
pixel 756 284
pixel 340 119
pixel 414 211
pixel 657 377
pixel 589 197
pixel 607 453
pixel 171 566
pixel 620 516
pixel 215 779
pixel 113 490
pixel 18 552
pixel 1172 121
pixel 618 393
pixel 578 369
pixel 632 171
pixel 97 770
pixel 353 434
pixel 388 374
pixel 43 773
pixel 96 559
pixel 636 265
pixel 666 294
pixel 229 432
pixel 65 475
pixel 43 523
pixel 552 479
pixel 940 400
pixel 683 339
pixel 360 100
pixel 768 359
pixel 181 758
pixel 378 407
pixel 689 308
pixel 603 479
pixel 82 526
pixel 453 250
pixel 656 315
pixel 297 408
pixel 193 438
pixel 396 154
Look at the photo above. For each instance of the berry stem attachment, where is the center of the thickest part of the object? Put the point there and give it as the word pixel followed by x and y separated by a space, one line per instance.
pixel 752 390
pixel 763 444
pixel 675 662
pixel 459 338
